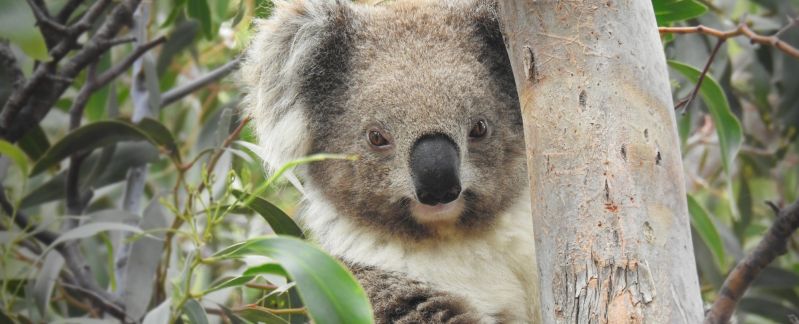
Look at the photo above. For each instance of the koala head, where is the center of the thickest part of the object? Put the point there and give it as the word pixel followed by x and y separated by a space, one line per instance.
pixel 423 94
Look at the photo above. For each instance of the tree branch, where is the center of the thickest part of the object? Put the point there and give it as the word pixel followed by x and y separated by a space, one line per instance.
pixel 67 10
pixel 179 92
pixel 42 90
pixel 113 72
pixel 773 244
pixel 742 30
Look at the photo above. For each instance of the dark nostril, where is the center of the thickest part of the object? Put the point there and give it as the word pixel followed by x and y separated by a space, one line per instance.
pixel 442 197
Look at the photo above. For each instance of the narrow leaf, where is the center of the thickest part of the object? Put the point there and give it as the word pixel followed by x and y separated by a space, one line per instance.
pixel 727 125
pixel 228 282
pixel 706 230
pixel 266 268
pixel 45 281
pixel 668 11
pixel 160 314
pixel 198 9
pixel 195 312
pixel 143 261
pixel 277 219
pixel 330 292
pixel 160 134
pixel 15 154
pixel 91 229
pixel 88 138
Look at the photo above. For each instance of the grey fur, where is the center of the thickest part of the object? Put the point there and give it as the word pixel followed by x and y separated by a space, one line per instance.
pixel 320 74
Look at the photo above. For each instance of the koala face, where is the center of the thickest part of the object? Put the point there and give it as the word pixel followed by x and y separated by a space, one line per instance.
pixel 422 94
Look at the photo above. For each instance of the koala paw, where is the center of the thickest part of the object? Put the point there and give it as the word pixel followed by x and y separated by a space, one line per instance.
pixel 398 299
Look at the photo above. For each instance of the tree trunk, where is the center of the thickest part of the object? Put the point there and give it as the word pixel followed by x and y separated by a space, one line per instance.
pixel 609 206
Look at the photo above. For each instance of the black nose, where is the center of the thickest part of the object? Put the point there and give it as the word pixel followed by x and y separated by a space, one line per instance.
pixel 435 166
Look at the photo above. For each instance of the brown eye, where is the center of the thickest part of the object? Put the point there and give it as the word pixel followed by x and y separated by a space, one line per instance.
pixel 376 138
pixel 479 129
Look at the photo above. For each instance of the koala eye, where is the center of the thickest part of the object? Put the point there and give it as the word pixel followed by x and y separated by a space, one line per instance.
pixel 376 138
pixel 479 129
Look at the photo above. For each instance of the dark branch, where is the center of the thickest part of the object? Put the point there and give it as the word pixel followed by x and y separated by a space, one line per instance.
pixel 116 70
pixel 27 106
pixel 175 94
pixel 773 244
pixel 67 10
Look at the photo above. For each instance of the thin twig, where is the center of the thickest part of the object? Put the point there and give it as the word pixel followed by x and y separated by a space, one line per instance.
pixel 177 93
pixel 770 247
pixel 113 72
pixel 741 30
pixel 44 19
pixel 685 102
pixel 218 154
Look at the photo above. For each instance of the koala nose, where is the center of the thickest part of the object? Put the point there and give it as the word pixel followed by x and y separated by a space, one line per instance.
pixel 435 167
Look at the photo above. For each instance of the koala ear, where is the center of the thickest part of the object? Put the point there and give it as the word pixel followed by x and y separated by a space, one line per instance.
pixel 275 70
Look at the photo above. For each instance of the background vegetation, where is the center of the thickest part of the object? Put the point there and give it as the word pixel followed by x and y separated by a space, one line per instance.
pixel 140 195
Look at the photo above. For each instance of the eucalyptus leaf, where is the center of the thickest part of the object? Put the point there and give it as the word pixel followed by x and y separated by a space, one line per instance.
pixel 277 219
pixel 330 292
pixel 228 282
pixel 727 125
pixel 91 229
pixel 126 155
pixel 195 312
pixel 143 261
pixel 15 154
pixel 198 9
pixel 160 314
pixel 45 281
pixel 668 11
pixel 88 138
pixel 707 230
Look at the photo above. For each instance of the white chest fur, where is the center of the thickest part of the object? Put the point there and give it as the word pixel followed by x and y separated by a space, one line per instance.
pixel 493 272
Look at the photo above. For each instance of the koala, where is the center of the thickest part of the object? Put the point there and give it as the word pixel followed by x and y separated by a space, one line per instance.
pixel 433 218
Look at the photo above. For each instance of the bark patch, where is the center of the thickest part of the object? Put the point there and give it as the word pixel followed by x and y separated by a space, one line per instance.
pixel 603 291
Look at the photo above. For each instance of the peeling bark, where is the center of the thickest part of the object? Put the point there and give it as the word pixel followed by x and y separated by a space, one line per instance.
pixel 611 223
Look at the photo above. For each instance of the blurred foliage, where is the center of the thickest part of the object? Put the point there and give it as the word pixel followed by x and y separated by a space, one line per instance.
pixel 196 252
pixel 199 168
pixel 739 147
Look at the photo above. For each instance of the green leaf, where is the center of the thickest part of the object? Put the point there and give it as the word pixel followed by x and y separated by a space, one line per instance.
pixel 45 281
pixel 727 125
pixel 15 154
pixel 88 138
pixel 126 156
pixel 34 143
pixel 90 229
pixel 277 219
pixel 770 309
pixel 195 312
pixel 143 260
pixel 330 292
pixel 198 9
pixel 668 11
pixel 181 37
pixel 161 135
pixel 270 268
pixel 228 282
pixel 159 314
pixel 706 230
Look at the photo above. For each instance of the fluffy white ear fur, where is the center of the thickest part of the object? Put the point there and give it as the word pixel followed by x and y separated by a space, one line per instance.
pixel 272 75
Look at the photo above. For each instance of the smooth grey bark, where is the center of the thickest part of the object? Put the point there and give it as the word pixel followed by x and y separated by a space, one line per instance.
pixel 609 207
